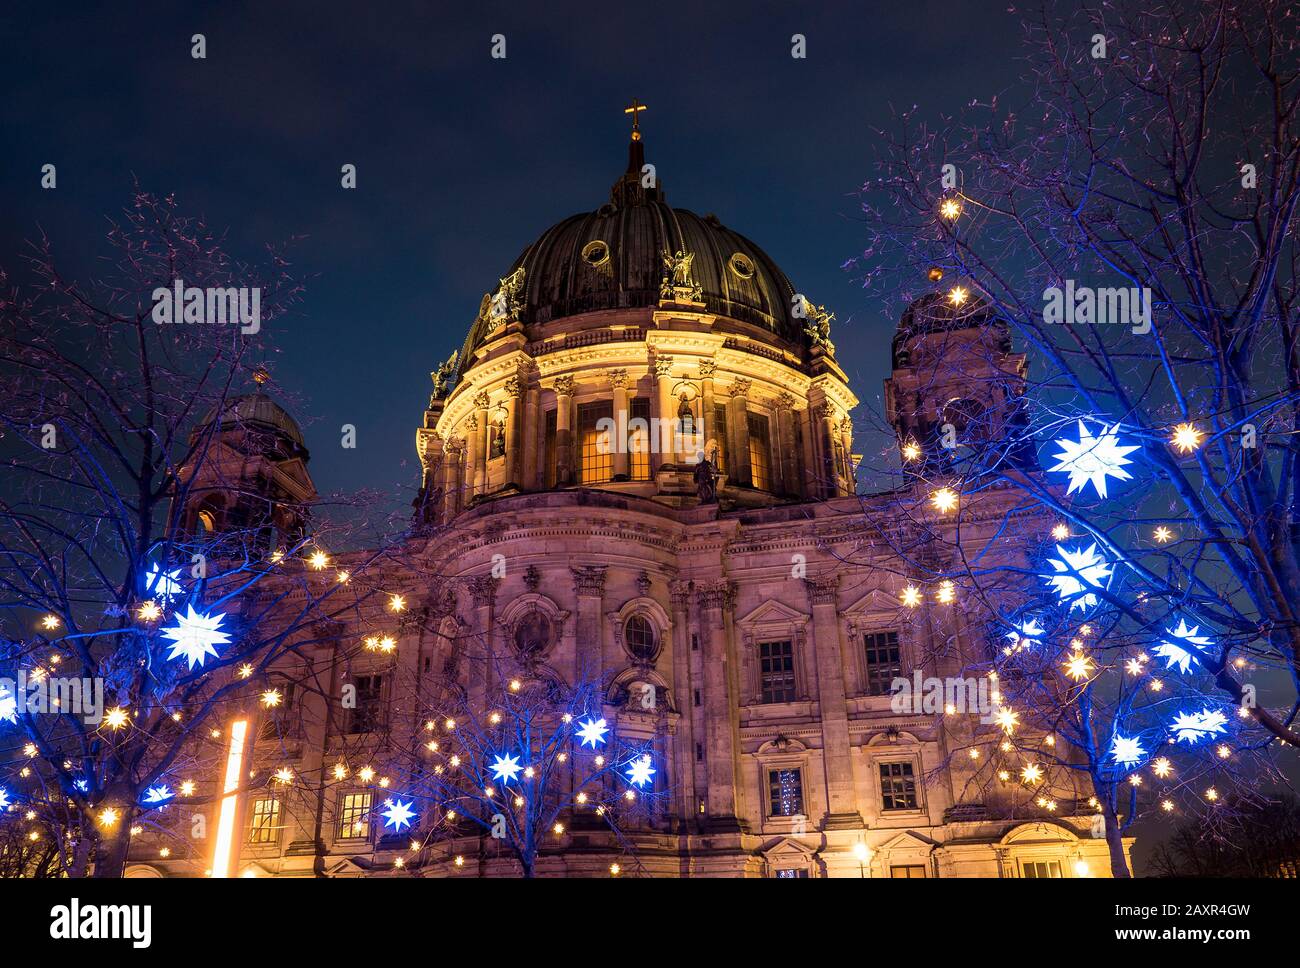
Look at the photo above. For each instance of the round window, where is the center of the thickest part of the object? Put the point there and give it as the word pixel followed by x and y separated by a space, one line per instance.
pixel 640 637
pixel 595 253
pixel 742 265
pixel 532 633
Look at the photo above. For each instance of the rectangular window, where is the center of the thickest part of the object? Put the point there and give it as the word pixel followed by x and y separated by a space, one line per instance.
pixel 354 816
pixel 792 872
pixel 760 452
pixel 720 435
pixel 597 465
pixel 638 439
pixel 264 826
pixel 276 719
pixel 371 711
pixel 548 457
pixel 1041 868
pixel 907 870
pixel 884 664
pixel 897 786
pixel 776 670
pixel 785 793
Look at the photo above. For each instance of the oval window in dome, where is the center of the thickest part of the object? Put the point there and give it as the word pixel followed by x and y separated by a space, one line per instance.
pixel 595 253
pixel 742 265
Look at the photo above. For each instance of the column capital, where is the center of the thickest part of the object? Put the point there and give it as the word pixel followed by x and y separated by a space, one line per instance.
pixel 706 369
pixel 823 590
pixel 785 400
pixel 513 386
pixel 663 365
pixel 681 595
pixel 481 400
pixel 483 588
pixel 564 386
pixel 740 388
pixel 471 422
pixel 618 379
pixel 589 580
pixel 718 593
pixel 824 410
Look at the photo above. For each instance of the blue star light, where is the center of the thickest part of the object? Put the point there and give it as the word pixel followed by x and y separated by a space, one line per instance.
pixel 1027 633
pixel 1185 646
pixel 1127 750
pixel 639 773
pixel 164 586
pixel 1192 727
pixel 8 705
pixel 4 798
pixel 505 768
pixel 1076 572
pixel 592 732
pixel 195 635
pixel 157 795
pixel 1093 458
pixel 398 815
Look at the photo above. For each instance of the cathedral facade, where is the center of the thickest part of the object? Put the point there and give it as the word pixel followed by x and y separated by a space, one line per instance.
pixel 639 469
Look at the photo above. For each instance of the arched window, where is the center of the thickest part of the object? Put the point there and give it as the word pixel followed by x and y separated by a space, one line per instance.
pixel 207 521
pixel 639 635
pixel 532 633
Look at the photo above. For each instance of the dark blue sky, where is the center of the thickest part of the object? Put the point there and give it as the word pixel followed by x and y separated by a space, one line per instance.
pixel 462 160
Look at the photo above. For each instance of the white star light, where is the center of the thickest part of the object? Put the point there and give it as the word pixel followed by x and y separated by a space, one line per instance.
pixel 1072 571
pixel 161 585
pixel 1093 458
pixel 4 798
pixel 592 732
pixel 1188 647
pixel 194 636
pixel 398 815
pixel 639 773
pixel 1194 727
pixel 158 794
pixel 1126 750
pixel 8 705
pixel 1028 631
pixel 506 768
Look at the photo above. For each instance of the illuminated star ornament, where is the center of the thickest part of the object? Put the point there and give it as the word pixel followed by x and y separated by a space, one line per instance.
pixel 4 798
pixel 157 795
pixel 1027 633
pixel 1191 728
pixel 195 636
pixel 506 768
pixel 1094 458
pixel 639 773
pixel 592 732
pixel 398 815
pixel 8 705
pixel 1075 572
pixel 162 585
pixel 1185 646
pixel 1127 750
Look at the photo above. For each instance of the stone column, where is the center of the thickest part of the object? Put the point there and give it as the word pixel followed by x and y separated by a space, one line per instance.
pixel 483 590
pixel 683 693
pixel 478 441
pixel 825 422
pixel 707 419
pixel 808 486
pixel 589 587
pixel 831 700
pixel 514 433
pixel 788 460
pixel 738 417
pixel 618 439
pixel 451 477
pixel 473 444
pixel 846 441
pixel 721 709
pixel 563 430
pixel 667 413
pixel 534 434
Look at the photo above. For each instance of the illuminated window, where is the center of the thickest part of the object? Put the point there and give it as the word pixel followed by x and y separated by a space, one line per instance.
pixel 275 719
pixel 638 439
pixel 884 663
pixel 897 786
pixel 720 434
pixel 776 671
pixel 640 637
pixel 785 793
pixel 907 871
pixel 549 456
pixel 208 521
pixel 1041 868
pixel 597 457
pixel 760 452
pixel 792 872
pixel 354 816
pixel 370 714
pixel 264 828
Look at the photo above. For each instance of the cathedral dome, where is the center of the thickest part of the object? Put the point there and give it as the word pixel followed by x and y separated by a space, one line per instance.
pixel 935 313
pixel 257 412
pixel 613 258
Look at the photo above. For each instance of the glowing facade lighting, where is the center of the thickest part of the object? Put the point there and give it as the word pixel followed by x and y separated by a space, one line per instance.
pixel 222 860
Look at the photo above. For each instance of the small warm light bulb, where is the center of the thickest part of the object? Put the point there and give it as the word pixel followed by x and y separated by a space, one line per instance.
pixel 1162 534
pixel 515 685
pixel 950 208
pixel 116 718
pixel 1060 531
pixel 911 450
pixel 911 596
pixel 1186 438
pixel 1211 794
pixel 947 592
pixel 340 771
pixel 344 577
pixel 958 295
pixel 559 829
pixel 187 788
pixel 319 560
pixel 245 671
pixel 108 817
pixel 50 622
pixel 365 774
pixel 615 870
pixel 460 860
pixel 944 500
pixel 271 698
pixel 396 603
pixel 148 611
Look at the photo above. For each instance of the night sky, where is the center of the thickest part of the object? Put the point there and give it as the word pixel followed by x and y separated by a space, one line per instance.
pixel 463 160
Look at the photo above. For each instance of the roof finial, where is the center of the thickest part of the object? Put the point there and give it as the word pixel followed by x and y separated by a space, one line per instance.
pixel 635 110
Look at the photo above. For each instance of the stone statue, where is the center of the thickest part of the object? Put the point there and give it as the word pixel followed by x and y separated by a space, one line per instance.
pixel 507 302
pixel 444 376
pixel 818 326
pixel 706 482
pixel 678 279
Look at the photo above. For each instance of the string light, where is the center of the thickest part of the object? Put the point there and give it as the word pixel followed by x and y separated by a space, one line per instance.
pixel 318 560
pixel 50 622
pixel 1162 534
pixel 911 450
pixel 1060 531
pixel 944 500
pixel 116 718
pixel 911 596
pixel 957 295
pixel 396 603
pixel 950 208
pixel 148 611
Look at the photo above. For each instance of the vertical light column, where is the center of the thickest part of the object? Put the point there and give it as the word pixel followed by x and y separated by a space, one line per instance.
pixel 683 689
pixel 788 460
pixel 472 462
pixel 826 442
pixel 223 853
pixel 533 438
pixel 451 477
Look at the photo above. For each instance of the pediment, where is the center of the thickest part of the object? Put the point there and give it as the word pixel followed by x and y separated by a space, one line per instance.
pixel 906 841
pixel 345 868
pixel 773 613
pixel 785 848
pixel 874 602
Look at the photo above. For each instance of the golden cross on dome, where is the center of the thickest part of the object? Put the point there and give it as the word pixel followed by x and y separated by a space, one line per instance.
pixel 635 110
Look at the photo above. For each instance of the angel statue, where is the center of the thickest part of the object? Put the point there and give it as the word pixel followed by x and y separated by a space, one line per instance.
pixel 443 376
pixel 678 280
pixel 818 326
